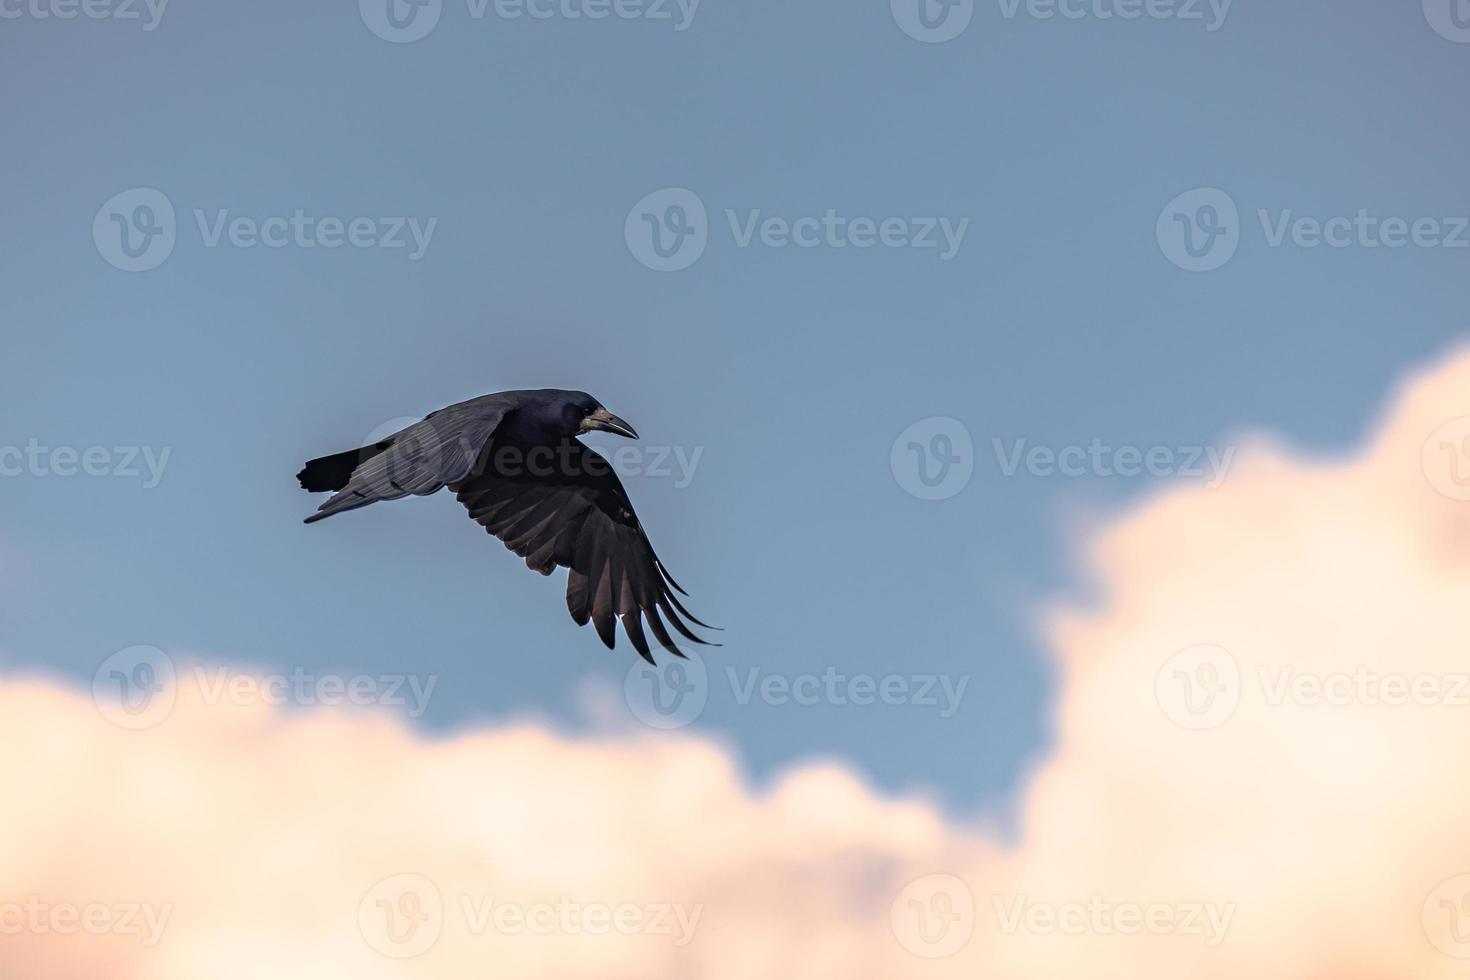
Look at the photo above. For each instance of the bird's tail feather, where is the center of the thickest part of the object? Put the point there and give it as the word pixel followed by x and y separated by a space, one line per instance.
pixel 343 501
pixel 333 472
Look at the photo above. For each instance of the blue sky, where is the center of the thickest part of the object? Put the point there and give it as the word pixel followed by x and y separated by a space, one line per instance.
pixel 1059 319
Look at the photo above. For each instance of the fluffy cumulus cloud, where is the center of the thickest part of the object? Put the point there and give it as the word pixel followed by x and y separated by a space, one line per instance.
pixel 1260 730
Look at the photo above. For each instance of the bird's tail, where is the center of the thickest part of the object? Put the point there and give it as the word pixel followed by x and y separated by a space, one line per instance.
pixel 333 472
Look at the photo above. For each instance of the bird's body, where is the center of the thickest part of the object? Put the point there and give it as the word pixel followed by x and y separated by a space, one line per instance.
pixel 513 460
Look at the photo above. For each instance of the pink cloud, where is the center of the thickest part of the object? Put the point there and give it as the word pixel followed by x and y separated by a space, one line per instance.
pixel 1257 772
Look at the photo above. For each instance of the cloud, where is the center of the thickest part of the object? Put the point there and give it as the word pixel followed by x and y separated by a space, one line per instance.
pixel 1257 772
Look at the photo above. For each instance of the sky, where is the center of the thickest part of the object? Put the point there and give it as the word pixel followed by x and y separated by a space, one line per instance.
pixel 830 264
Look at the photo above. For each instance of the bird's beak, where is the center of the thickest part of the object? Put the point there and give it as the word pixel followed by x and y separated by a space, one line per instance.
pixel 608 422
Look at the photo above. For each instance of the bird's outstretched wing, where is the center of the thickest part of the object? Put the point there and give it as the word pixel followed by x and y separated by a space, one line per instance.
pixel 570 509
pixel 421 459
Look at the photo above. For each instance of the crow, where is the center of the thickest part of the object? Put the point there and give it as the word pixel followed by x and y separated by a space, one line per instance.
pixel 514 461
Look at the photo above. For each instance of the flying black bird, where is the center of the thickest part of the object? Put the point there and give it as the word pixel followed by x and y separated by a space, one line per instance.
pixel 514 461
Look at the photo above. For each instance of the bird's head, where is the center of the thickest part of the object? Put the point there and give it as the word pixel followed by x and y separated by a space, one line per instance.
pixel 577 412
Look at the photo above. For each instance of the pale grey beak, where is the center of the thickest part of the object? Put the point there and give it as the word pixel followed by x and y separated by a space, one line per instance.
pixel 606 421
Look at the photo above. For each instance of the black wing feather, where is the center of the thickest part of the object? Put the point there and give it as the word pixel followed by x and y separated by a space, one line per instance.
pixel 577 515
